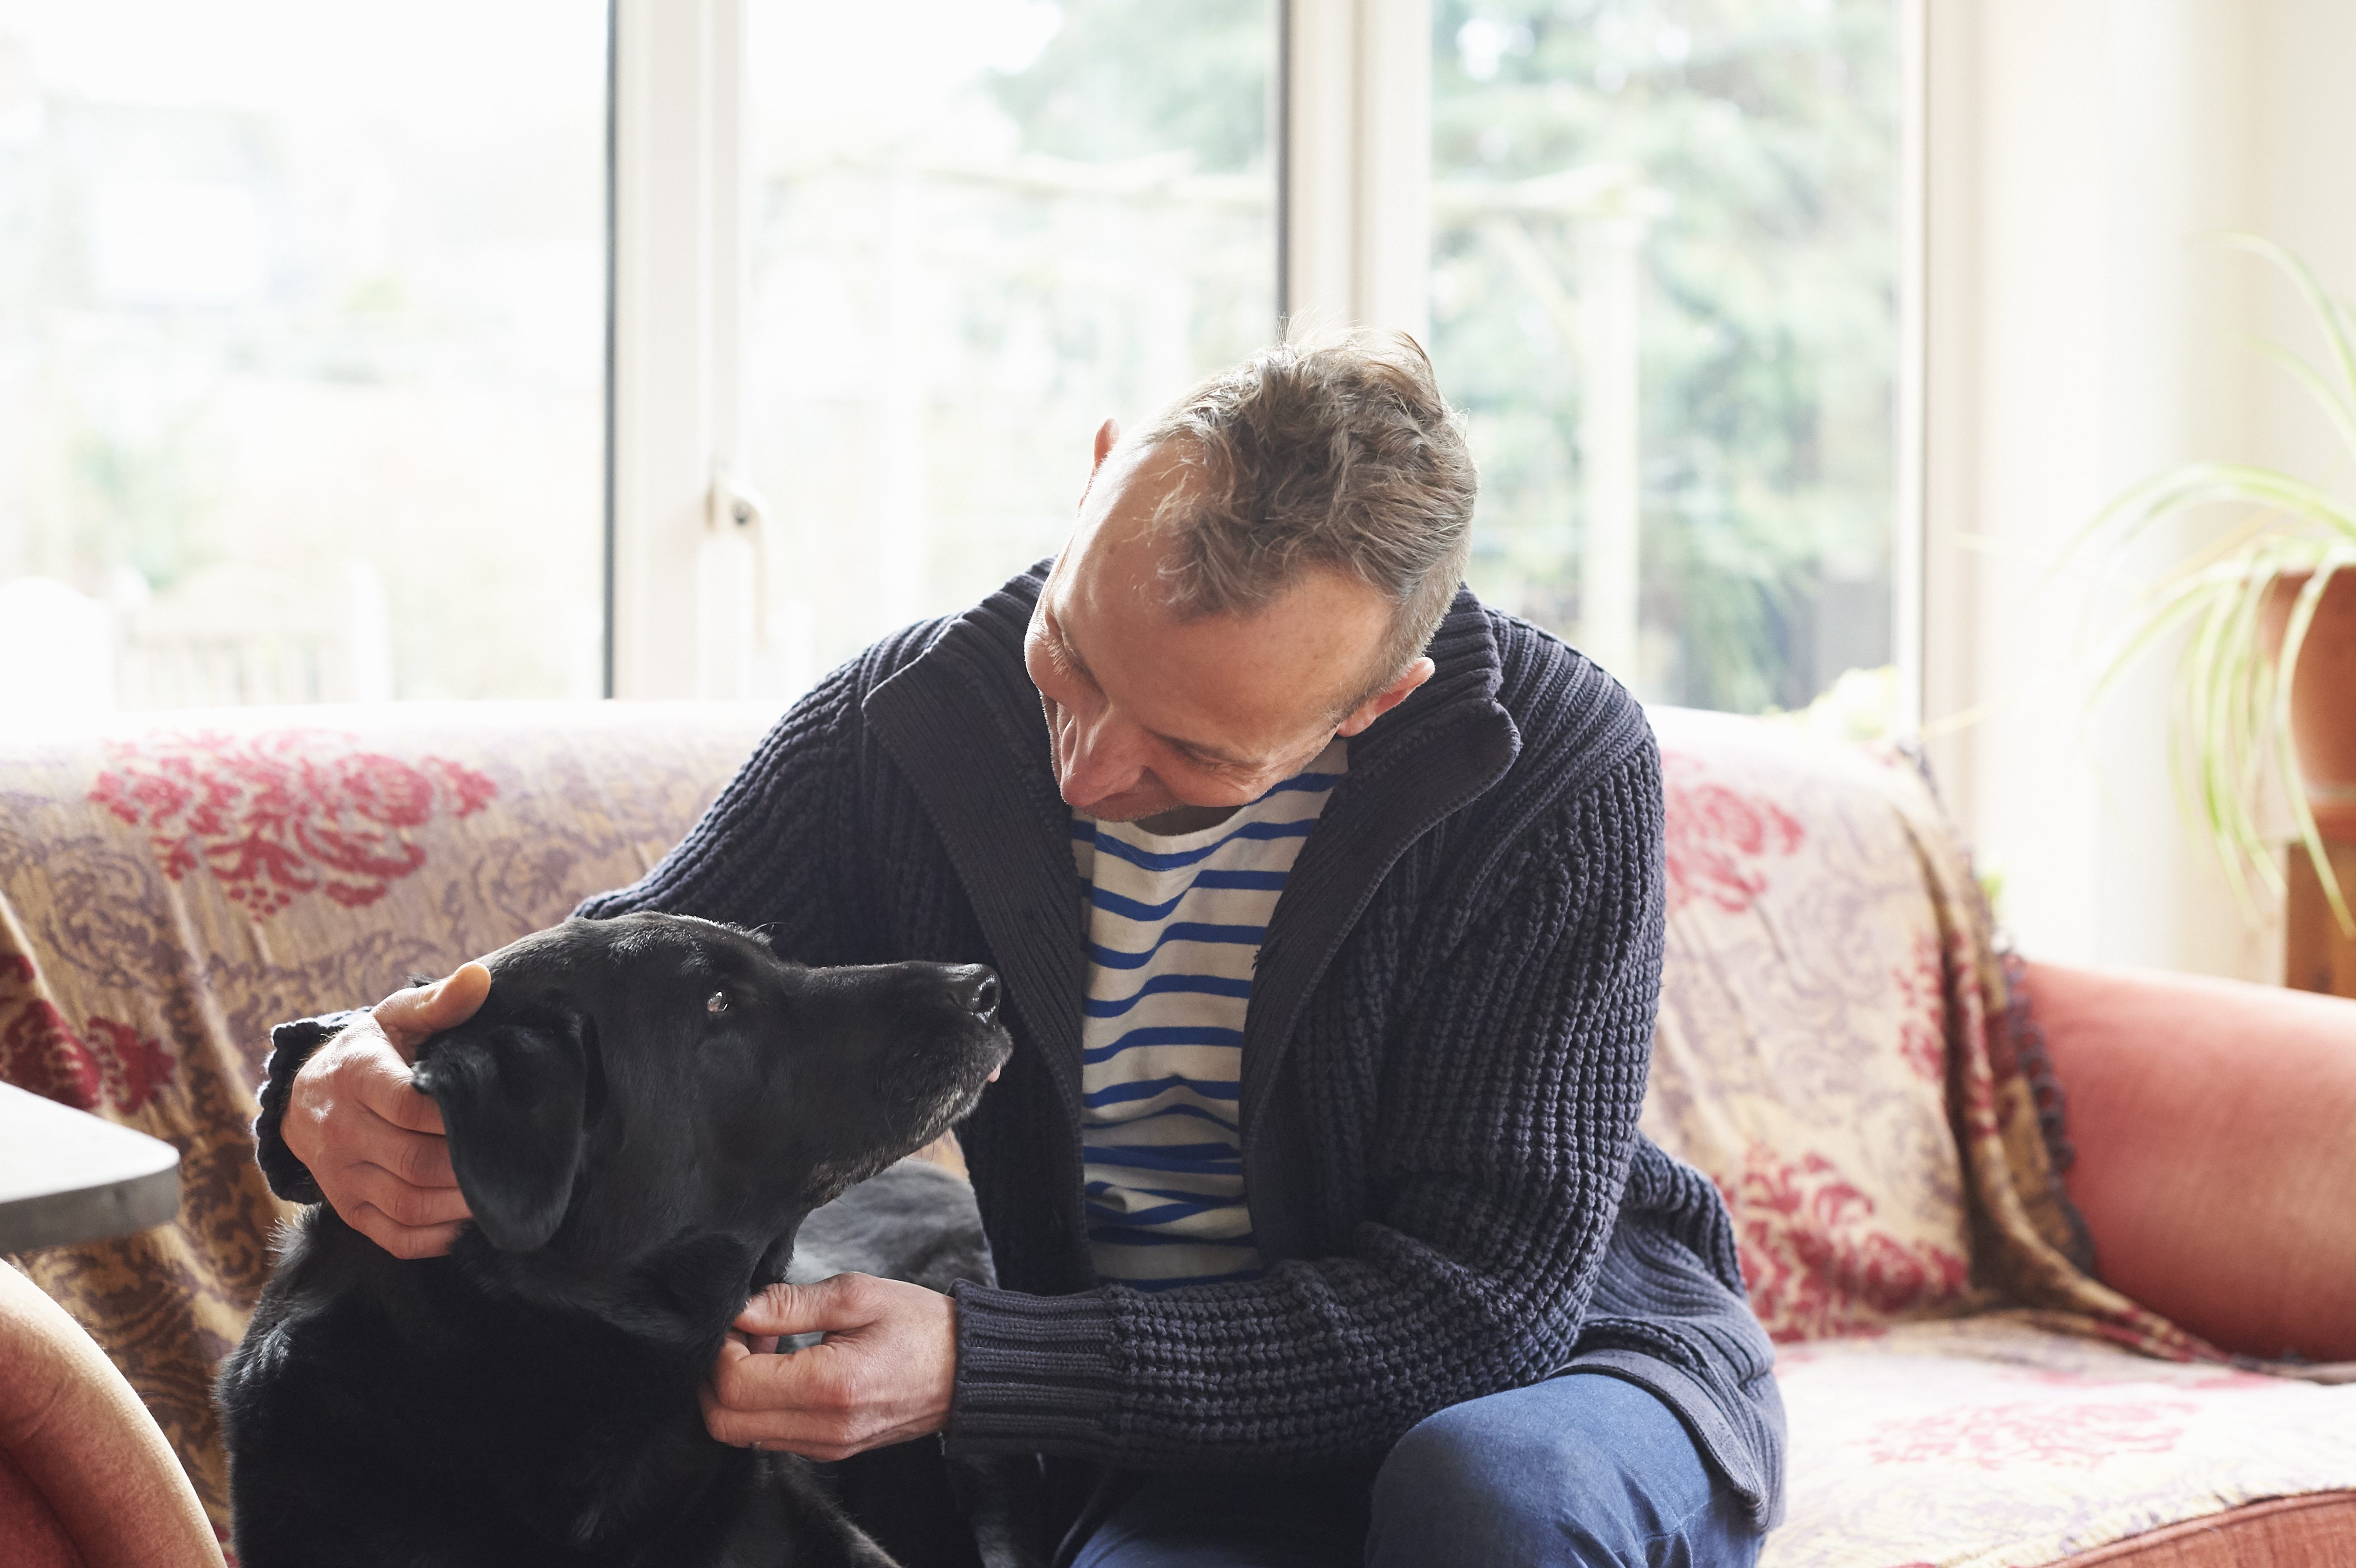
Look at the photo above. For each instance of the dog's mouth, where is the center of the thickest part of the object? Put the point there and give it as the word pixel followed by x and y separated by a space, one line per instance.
pixel 965 1090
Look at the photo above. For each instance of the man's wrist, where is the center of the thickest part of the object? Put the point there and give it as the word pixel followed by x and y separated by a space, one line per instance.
pixel 1033 1373
pixel 292 1046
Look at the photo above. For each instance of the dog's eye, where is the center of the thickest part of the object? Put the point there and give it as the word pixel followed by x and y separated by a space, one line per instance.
pixel 716 1003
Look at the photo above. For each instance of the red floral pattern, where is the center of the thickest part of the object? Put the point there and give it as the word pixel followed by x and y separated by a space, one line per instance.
pixel 132 1066
pixel 110 1062
pixel 1991 1439
pixel 1921 988
pixel 40 1053
pixel 1815 1264
pixel 2080 1436
pixel 1717 835
pixel 284 811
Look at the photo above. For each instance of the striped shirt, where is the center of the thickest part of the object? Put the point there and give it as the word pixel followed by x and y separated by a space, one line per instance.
pixel 1174 928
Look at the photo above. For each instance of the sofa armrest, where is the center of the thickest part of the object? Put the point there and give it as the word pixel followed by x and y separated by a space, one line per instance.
pixel 2215 1128
pixel 86 1459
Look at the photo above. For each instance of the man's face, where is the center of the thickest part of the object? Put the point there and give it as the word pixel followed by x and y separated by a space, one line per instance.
pixel 1151 715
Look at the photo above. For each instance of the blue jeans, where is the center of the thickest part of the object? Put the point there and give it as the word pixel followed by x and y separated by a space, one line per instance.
pixel 1583 1470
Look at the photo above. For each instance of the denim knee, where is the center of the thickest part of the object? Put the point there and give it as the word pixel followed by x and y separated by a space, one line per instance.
pixel 1584 1471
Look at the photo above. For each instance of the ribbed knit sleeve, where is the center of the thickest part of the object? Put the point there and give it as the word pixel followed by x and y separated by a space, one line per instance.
pixel 1511 1077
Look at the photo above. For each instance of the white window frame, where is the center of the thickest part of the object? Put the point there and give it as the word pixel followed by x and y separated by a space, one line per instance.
pixel 1354 158
pixel 682 548
pixel 1351 123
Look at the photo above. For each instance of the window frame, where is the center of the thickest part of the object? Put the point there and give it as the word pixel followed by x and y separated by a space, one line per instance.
pixel 675 553
pixel 1350 120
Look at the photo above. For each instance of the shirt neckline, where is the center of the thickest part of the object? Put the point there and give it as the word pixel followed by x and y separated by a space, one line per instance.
pixel 1334 759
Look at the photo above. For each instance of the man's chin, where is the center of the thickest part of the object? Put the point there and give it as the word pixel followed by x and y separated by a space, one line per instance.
pixel 1130 808
pixel 1159 814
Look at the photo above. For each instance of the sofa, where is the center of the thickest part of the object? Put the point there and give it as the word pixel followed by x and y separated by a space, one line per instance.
pixel 2057 1259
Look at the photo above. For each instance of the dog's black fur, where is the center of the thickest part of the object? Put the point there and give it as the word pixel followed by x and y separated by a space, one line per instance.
pixel 642 1116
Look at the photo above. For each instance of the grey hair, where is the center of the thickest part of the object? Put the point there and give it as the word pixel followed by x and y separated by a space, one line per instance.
pixel 1330 449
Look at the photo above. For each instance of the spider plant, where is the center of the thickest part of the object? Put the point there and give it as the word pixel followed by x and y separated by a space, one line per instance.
pixel 2230 724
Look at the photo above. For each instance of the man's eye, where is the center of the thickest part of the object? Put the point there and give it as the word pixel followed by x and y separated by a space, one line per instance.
pixel 716 1003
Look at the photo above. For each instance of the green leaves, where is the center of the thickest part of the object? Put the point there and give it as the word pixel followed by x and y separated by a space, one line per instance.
pixel 2231 723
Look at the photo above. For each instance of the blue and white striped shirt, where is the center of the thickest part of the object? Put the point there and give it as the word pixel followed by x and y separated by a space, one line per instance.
pixel 1174 928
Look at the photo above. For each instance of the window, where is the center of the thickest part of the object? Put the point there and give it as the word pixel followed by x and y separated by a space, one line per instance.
pixel 301 348
pixel 1664 284
pixel 302 318
pixel 977 231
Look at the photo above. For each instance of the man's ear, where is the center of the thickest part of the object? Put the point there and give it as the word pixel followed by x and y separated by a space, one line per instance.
pixel 1108 436
pixel 513 1096
pixel 1356 721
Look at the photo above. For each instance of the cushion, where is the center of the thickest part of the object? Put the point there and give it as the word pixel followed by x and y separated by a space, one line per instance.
pixel 1995 1441
pixel 2214 1156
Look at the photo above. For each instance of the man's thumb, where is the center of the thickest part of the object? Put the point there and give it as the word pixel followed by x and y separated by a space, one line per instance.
pixel 446 1004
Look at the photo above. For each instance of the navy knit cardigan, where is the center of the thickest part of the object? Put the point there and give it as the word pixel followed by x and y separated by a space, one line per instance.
pixel 1450 1025
pixel 1451 1020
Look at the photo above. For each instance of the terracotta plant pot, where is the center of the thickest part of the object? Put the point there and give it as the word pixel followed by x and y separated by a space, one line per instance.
pixel 2322 697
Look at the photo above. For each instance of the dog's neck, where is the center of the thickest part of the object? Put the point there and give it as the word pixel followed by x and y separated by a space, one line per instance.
pixel 680 1294
pixel 619 1345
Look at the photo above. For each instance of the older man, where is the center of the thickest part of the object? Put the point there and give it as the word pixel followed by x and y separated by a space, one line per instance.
pixel 1328 904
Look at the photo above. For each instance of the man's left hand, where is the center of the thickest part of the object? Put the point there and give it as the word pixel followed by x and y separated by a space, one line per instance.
pixel 884 1374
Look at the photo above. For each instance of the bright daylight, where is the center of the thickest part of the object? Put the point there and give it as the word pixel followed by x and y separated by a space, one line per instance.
pixel 1074 783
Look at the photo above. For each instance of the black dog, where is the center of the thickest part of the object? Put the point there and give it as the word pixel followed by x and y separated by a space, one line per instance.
pixel 641 1117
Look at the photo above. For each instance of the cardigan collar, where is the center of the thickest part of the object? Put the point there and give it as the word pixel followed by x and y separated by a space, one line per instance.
pixel 964 724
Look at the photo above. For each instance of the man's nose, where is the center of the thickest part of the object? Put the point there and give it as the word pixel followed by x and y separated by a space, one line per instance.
pixel 1106 758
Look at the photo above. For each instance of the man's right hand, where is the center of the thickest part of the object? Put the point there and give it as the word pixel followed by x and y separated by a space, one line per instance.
pixel 373 1143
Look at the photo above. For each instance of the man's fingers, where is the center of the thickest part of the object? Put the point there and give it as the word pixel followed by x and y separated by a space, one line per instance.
pixel 747 1379
pixel 388 1092
pixel 831 1305
pixel 886 1371
pixel 421 1159
pixel 402 1241
pixel 401 1203
pixel 408 1017
pixel 800 1403
pixel 374 1144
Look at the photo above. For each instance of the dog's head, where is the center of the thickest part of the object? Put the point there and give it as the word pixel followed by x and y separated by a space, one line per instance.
pixel 631 1081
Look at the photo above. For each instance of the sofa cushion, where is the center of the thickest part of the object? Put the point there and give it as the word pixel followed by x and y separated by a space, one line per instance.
pixel 1995 1441
pixel 2215 1157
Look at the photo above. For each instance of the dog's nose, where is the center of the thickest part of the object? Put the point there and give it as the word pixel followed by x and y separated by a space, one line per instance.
pixel 976 989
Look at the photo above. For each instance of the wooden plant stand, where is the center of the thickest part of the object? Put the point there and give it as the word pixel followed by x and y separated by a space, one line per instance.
pixel 2317 954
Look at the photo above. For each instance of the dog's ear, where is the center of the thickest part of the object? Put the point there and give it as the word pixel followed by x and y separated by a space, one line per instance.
pixel 513 1093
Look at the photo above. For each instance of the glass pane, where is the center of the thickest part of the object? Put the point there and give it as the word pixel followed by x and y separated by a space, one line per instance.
pixel 302 326
pixel 981 226
pixel 1663 285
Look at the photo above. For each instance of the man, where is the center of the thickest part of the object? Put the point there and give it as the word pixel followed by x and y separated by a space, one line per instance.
pixel 1329 909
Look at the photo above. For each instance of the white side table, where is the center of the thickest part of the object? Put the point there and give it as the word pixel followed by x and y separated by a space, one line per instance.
pixel 66 1176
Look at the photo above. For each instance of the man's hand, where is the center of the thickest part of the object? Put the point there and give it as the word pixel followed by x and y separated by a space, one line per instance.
pixel 372 1143
pixel 884 1374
